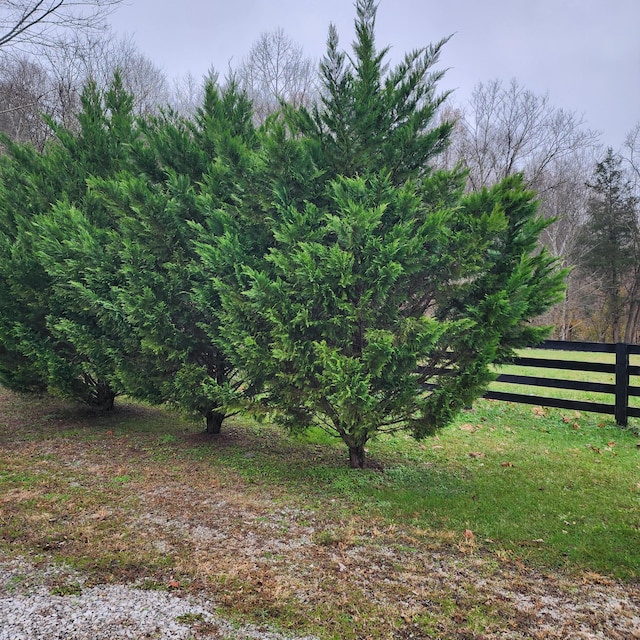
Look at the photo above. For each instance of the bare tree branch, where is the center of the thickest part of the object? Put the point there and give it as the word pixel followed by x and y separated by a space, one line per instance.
pixel 25 24
pixel 509 129
pixel 276 70
pixel 632 151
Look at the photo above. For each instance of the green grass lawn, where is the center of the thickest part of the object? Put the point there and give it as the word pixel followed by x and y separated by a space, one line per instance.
pixel 566 374
pixel 547 485
pixel 553 487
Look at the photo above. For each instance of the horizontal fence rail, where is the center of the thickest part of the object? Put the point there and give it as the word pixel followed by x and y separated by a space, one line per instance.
pixel 621 390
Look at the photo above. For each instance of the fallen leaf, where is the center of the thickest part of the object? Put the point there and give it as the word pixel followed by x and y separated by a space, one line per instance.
pixel 477 454
pixel 101 514
pixel 539 411
pixel 507 464
pixel 469 535
pixel 566 420
pixel 468 427
pixel 611 444
pixel 173 584
pixel 576 425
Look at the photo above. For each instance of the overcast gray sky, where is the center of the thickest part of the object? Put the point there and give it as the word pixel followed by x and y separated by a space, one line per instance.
pixel 584 53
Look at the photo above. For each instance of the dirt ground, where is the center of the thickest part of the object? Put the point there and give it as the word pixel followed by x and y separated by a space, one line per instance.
pixel 122 514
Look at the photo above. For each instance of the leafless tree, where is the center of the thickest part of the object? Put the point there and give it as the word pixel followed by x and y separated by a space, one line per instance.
pixel 24 91
pixel 631 152
pixel 564 195
pixel 140 75
pixel 510 129
pixel 186 94
pixel 86 57
pixel 276 70
pixel 25 24
pixel 51 84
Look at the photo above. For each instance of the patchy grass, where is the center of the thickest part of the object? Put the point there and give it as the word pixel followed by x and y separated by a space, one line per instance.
pixel 462 536
pixel 72 589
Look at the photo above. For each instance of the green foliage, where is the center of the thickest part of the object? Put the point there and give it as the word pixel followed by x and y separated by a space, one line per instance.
pixel 182 172
pixel 47 338
pixel 370 118
pixel 518 279
pixel 609 240
pixel 612 223
pixel 383 293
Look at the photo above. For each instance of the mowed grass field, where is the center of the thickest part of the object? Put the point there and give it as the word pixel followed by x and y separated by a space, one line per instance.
pixel 445 538
pixel 566 374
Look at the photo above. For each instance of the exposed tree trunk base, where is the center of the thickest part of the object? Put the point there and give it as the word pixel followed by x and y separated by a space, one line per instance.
pixel 214 422
pixel 105 404
pixel 103 399
pixel 356 457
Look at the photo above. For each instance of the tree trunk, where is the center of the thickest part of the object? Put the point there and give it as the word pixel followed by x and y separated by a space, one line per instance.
pixel 614 316
pixel 214 421
pixel 103 397
pixel 356 456
pixel 631 328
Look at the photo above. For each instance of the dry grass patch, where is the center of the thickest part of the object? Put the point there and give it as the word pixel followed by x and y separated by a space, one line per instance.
pixel 142 497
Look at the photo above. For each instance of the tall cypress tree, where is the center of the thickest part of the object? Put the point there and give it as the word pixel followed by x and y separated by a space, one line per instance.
pixel 48 338
pixel 182 173
pixel 383 293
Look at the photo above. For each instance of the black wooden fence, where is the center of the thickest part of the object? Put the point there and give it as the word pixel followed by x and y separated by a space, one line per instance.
pixel 621 389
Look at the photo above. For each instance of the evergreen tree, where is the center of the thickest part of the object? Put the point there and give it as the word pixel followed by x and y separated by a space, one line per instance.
pixel 383 293
pixel 371 118
pixel 49 339
pixel 608 247
pixel 23 286
pixel 182 172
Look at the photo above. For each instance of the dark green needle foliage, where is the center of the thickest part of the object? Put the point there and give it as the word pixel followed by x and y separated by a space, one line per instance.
pixel 371 117
pixel 608 246
pixel 182 172
pixel 49 338
pixel 384 293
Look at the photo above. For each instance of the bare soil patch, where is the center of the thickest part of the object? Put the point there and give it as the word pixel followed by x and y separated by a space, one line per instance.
pixel 127 507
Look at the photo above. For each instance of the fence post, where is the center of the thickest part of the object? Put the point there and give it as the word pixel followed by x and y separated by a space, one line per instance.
pixel 622 383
